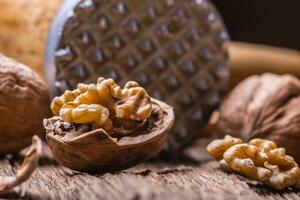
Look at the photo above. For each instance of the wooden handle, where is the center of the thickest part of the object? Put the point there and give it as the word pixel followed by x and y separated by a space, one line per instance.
pixel 247 59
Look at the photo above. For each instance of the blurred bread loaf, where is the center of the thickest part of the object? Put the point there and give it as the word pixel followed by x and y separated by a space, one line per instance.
pixel 24 25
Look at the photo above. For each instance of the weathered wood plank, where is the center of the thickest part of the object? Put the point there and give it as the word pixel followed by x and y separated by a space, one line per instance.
pixel 152 180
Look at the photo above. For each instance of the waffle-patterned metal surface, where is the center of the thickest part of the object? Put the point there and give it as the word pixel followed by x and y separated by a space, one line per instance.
pixel 174 48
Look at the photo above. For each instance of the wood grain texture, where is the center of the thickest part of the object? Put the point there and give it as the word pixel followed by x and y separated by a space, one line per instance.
pixel 195 178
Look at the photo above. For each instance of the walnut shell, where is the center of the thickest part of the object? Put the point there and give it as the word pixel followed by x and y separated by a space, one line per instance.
pixel 96 150
pixel 266 106
pixel 24 103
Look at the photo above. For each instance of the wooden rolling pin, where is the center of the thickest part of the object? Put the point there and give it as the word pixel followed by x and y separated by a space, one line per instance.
pixel 247 59
pixel 24 25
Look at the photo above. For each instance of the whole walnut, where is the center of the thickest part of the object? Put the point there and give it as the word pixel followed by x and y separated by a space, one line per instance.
pixel 265 106
pixel 24 102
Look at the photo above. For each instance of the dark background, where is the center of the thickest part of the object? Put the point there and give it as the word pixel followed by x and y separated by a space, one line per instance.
pixel 274 22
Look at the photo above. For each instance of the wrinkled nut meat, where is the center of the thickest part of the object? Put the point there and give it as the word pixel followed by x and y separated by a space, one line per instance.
pixel 102 127
pixel 28 166
pixel 104 104
pixel 265 106
pixel 24 103
pixel 260 160
pixel 247 160
pixel 285 171
pixel 218 147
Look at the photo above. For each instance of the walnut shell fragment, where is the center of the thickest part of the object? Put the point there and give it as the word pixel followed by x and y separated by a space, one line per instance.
pixel 82 149
pixel 24 103
pixel 266 106
pixel 29 164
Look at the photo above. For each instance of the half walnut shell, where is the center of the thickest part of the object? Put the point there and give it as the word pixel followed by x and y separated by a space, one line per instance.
pixel 82 149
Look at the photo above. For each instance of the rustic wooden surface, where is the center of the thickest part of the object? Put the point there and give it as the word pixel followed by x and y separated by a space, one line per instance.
pixel 195 178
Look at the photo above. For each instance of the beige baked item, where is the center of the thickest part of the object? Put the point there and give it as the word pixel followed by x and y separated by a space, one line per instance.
pixel 24 25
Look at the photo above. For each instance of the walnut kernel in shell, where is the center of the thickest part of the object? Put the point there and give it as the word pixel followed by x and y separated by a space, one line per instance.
pixel 265 106
pixel 24 103
pixel 104 105
pixel 101 127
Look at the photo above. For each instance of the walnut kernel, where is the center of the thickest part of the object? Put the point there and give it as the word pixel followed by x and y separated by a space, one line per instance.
pixel 218 147
pixel 260 160
pixel 263 145
pixel 285 171
pixel 247 160
pixel 103 104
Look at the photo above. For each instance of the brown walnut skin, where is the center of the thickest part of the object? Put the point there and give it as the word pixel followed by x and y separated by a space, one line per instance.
pixel 97 151
pixel 24 103
pixel 266 106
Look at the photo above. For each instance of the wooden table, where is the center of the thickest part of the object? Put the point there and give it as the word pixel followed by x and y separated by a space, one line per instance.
pixel 195 177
